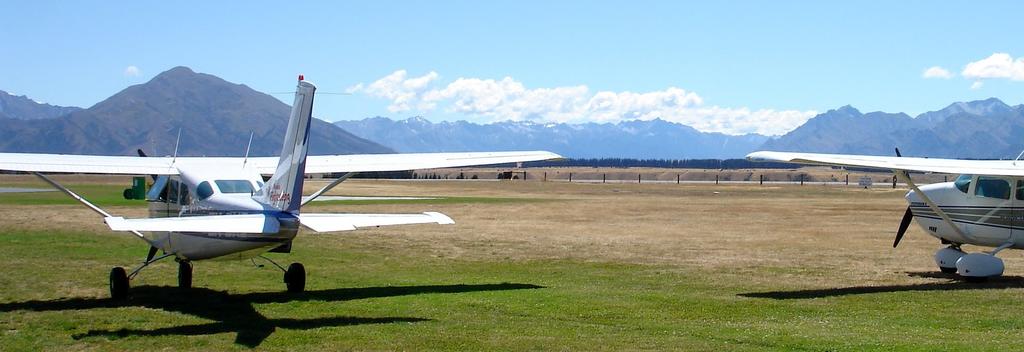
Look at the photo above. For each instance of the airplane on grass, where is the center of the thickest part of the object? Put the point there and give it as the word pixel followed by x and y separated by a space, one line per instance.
pixel 984 206
pixel 220 207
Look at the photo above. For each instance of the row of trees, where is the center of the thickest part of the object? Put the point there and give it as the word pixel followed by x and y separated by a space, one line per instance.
pixel 662 163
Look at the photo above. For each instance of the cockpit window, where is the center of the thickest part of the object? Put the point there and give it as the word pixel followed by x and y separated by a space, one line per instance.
pixel 963 182
pixel 234 186
pixel 204 190
pixel 990 187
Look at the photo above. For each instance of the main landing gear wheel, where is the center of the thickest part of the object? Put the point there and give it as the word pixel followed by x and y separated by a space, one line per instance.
pixel 184 274
pixel 295 278
pixel 118 283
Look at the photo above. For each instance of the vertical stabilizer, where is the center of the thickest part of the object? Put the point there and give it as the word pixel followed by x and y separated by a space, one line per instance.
pixel 284 189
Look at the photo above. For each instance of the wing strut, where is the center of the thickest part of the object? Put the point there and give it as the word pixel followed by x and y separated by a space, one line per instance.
pixel 85 202
pixel 327 187
pixel 903 176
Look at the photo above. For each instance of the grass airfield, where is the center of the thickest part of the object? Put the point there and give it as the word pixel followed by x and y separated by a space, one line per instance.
pixel 528 265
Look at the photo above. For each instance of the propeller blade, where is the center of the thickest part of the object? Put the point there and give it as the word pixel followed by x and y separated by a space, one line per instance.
pixel 904 224
pixel 143 154
pixel 151 254
pixel 898 155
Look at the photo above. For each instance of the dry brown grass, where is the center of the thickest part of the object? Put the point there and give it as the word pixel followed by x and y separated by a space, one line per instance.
pixel 798 232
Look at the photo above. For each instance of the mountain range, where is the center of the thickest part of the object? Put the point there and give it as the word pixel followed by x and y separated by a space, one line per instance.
pixel 654 139
pixel 982 129
pixel 977 129
pixel 24 108
pixel 214 117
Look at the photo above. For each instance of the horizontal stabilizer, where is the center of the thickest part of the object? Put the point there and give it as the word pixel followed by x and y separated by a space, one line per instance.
pixel 246 223
pixel 348 222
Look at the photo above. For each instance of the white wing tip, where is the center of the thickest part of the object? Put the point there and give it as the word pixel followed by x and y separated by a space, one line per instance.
pixel 116 223
pixel 762 156
pixel 441 219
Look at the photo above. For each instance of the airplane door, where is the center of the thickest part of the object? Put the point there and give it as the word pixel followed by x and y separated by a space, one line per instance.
pixel 991 216
pixel 1017 213
pixel 157 197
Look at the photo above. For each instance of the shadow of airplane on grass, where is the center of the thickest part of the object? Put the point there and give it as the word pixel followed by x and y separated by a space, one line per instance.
pixel 235 312
pixel 950 282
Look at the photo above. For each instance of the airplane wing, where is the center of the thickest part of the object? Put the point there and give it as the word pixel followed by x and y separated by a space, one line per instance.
pixel 348 222
pixel 246 223
pixel 130 165
pixel 317 164
pixel 949 166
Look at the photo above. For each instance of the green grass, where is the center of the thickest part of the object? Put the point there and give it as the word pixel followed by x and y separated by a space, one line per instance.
pixel 52 296
pixel 101 195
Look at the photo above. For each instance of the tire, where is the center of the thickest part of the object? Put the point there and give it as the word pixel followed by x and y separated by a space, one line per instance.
pixel 184 274
pixel 118 284
pixel 295 278
pixel 948 270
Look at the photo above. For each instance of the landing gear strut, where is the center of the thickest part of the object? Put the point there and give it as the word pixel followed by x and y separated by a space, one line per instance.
pixel 294 276
pixel 119 278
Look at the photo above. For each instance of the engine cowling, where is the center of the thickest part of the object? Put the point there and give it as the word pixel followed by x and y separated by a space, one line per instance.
pixel 979 265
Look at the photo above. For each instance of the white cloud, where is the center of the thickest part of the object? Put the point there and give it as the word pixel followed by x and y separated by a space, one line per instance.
pixel 507 99
pixel 132 71
pixel 998 65
pixel 402 91
pixel 976 85
pixel 936 72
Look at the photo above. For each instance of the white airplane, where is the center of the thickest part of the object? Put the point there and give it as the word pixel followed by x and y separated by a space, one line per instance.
pixel 984 206
pixel 220 207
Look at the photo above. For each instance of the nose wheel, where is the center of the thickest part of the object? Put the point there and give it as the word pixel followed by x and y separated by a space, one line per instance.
pixel 295 278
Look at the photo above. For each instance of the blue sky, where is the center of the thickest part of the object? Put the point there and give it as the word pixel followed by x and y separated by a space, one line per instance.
pixel 729 66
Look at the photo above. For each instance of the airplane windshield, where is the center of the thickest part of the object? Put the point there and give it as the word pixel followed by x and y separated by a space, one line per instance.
pixel 963 182
pixel 234 186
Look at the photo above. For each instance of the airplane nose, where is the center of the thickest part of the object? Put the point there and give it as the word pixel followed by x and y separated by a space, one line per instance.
pixel 911 197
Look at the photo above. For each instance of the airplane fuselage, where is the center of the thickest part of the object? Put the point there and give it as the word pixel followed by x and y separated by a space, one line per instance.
pixel 988 210
pixel 227 191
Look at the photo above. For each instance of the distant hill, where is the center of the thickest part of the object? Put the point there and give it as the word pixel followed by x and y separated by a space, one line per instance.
pixel 24 108
pixel 977 129
pixel 655 139
pixel 215 118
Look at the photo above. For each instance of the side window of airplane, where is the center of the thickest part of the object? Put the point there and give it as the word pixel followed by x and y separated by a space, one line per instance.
pixel 204 190
pixel 172 191
pixel 991 187
pixel 1020 189
pixel 963 183
pixel 185 198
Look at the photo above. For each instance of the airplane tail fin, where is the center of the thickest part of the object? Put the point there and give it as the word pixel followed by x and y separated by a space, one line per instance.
pixel 284 189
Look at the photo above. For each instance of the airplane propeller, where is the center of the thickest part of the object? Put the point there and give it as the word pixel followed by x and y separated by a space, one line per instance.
pixel 904 224
pixel 907 216
pixel 143 154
